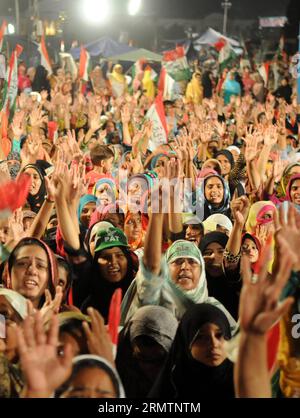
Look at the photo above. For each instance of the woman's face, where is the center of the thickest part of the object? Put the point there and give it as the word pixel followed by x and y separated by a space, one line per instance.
pixel 112 264
pixel 86 213
pixel 208 348
pixel 110 127
pixel 30 272
pixel 62 277
pixel 115 219
pixel 194 234
pixel 249 248
pixel 185 272
pixel 295 192
pixel 76 340
pixel 149 356
pixel 213 256
pixel 225 164
pixel 214 191
pixel 133 227
pixel 160 166
pixel 136 191
pixel 104 194
pixel 36 181
pixel 91 382
pixel 4 231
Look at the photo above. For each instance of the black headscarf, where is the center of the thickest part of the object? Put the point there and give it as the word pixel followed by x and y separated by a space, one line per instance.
pixel 225 287
pixel 203 204
pixel 185 377
pixel 228 155
pixel 40 81
pixel 36 201
pixel 101 290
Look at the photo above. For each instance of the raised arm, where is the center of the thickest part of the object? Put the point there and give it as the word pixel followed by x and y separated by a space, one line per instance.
pixel 259 311
pixel 153 239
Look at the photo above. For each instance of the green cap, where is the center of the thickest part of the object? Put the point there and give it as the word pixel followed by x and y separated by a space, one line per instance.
pixel 112 237
pixel 183 249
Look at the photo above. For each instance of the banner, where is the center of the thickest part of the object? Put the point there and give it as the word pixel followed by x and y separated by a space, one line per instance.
pixel 156 114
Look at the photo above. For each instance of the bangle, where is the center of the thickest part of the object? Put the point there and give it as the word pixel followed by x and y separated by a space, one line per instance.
pixel 231 258
pixel 48 200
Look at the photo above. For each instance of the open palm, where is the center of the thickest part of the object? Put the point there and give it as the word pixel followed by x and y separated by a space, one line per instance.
pixel 44 371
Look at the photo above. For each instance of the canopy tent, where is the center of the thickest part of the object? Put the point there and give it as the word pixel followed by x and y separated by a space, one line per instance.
pixel 104 47
pixel 211 37
pixel 136 55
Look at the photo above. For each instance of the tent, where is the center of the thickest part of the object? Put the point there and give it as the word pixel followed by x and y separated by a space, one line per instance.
pixel 135 55
pixel 104 47
pixel 210 37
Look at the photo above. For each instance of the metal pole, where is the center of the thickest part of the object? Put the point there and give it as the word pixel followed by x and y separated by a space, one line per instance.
pixel 17 11
pixel 226 5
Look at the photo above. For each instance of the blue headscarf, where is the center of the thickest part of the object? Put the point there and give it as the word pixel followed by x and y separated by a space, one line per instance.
pixel 231 88
pixel 84 200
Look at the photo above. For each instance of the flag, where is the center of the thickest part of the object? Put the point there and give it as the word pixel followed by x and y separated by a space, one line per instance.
pixel 84 64
pixel 166 85
pixel 114 317
pixel 2 33
pixel 176 64
pixel 226 56
pixel 68 63
pixel 264 72
pixel 10 90
pixel 221 42
pixel 137 67
pixel 13 194
pixel 45 60
pixel 156 114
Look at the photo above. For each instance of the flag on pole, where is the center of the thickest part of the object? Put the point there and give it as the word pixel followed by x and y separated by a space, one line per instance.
pixel 226 56
pixel 45 60
pixel 84 64
pixel 176 64
pixel 10 91
pixel 166 85
pixel 156 114
pixel 2 33
pixel 114 317
pixel 264 72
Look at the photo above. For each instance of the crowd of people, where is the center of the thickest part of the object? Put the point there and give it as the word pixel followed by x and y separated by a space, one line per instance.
pixel 200 234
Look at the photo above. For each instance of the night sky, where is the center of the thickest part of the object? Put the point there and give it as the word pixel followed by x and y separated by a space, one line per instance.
pixel 180 8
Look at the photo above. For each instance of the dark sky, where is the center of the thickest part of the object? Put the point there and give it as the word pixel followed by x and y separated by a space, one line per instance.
pixel 181 8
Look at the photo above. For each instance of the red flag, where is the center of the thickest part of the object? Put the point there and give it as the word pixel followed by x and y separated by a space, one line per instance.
pixel 220 44
pixel 45 60
pixel 13 194
pixel 114 316
pixel 2 32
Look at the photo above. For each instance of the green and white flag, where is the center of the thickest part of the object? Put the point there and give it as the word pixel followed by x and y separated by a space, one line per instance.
pixel 226 56
pixel 10 91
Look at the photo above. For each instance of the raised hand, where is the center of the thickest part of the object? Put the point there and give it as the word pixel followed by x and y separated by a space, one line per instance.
pixel 288 227
pixel 98 338
pixel 271 136
pixel 240 209
pixel 43 370
pixel 18 124
pixel 51 306
pixel 251 147
pixel 259 301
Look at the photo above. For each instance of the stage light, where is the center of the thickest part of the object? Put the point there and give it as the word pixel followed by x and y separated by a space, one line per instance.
pixel 10 29
pixel 134 7
pixel 96 11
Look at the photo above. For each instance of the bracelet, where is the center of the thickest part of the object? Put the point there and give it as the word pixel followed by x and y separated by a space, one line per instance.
pixel 48 200
pixel 231 258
